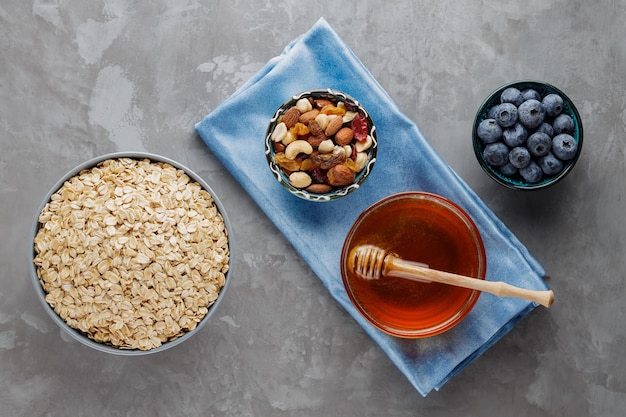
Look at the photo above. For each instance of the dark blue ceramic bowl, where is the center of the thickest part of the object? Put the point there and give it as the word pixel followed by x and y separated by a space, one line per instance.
pixel 516 181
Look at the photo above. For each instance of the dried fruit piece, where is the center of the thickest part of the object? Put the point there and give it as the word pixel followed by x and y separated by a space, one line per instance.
pixel 307 165
pixel 328 160
pixel 331 109
pixel 359 127
pixel 350 163
pixel 286 163
pixel 315 128
pixel 319 176
pixel 299 129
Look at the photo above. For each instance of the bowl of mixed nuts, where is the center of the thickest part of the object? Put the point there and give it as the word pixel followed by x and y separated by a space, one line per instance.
pixel 131 253
pixel 321 145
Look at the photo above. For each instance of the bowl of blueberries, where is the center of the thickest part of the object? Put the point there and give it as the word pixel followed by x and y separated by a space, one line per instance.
pixel 527 135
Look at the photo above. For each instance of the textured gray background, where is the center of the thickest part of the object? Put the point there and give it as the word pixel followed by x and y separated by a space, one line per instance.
pixel 79 79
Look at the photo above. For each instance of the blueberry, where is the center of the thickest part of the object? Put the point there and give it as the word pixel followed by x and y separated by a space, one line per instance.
pixel 496 154
pixel 549 164
pixel 564 146
pixel 539 144
pixel 508 169
pixel 530 93
pixel 546 128
pixel 515 135
pixel 491 114
pixel 506 114
pixel 531 173
pixel 531 113
pixel 489 131
pixel 553 104
pixel 519 157
pixel 563 124
pixel 511 95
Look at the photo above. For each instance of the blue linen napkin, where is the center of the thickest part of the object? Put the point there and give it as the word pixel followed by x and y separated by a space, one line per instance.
pixel 235 133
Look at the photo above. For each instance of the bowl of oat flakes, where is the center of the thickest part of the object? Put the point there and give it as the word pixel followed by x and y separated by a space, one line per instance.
pixel 131 253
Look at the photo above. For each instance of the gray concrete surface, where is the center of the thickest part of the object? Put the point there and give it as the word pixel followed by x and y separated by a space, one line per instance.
pixel 78 79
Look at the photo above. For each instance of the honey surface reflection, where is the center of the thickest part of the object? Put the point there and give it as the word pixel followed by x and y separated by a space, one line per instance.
pixel 424 228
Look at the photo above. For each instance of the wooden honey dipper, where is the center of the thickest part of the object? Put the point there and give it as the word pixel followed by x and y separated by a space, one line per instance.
pixel 371 263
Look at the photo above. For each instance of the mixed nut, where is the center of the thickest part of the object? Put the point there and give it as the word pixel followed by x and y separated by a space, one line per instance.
pixel 321 144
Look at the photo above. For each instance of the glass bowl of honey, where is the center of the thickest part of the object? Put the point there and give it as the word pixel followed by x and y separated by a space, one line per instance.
pixel 425 228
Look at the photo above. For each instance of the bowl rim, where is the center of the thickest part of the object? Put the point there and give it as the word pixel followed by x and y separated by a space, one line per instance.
pixel 77 334
pixel 478 146
pixel 337 193
pixel 473 295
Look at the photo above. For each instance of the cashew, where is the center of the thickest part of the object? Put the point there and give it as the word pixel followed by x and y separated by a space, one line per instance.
pixel 361 161
pixel 289 137
pixel 347 150
pixel 300 179
pixel 349 116
pixel 339 150
pixel 279 132
pixel 304 105
pixel 326 146
pixel 296 147
pixel 322 120
pixel 365 145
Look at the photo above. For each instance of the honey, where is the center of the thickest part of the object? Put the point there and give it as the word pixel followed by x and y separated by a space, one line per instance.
pixel 424 228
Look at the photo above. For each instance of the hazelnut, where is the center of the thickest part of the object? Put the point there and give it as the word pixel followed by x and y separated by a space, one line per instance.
pixel 344 136
pixel 340 175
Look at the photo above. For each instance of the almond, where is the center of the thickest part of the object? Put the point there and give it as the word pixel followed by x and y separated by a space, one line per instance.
pixel 305 118
pixel 279 147
pixel 319 188
pixel 340 175
pixel 344 136
pixel 333 126
pixel 291 116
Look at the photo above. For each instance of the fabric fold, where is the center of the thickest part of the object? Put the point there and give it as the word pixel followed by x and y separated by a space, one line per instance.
pixel 406 162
